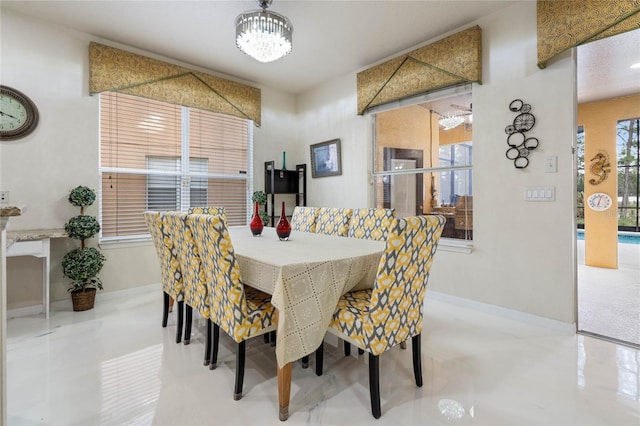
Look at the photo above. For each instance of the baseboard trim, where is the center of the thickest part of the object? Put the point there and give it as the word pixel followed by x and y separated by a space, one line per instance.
pixel 609 339
pixel 25 311
pixel 503 312
pixel 64 305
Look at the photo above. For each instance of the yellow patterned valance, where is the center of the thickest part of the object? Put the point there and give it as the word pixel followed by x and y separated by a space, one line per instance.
pixel 112 69
pixel 569 23
pixel 453 60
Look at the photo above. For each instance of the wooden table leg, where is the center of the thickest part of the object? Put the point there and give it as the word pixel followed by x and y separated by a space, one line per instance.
pixel 284 390
pixel 284 387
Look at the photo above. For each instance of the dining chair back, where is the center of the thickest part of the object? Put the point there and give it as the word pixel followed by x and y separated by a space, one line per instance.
pixel 371 223
pixel 333 221
pixel 196 294
pixel 378 319
pixel 170 270
pixel 213 210
pixel 304 219
pixel 241 311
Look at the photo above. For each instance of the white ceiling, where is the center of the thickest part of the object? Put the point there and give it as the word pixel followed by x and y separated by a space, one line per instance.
pixel 331 38
pixel 604 67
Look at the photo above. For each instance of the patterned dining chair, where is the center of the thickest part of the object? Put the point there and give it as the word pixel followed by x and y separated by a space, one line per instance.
pixel 170 271
pixel 371 223
pixel 241 311
pixel 196 292
pixel 333 221
pixel 213 210
pixel 378 319
pixel 304 219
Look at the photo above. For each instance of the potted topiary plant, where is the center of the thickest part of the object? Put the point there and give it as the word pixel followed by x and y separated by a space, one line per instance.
pixel 261 198
pixel 83 264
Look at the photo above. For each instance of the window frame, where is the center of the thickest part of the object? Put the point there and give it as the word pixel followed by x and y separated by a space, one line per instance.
pixel 448 244
pixel 630 167
pixel 185 173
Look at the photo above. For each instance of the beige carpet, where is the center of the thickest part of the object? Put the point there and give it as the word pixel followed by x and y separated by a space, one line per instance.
pixel 609 299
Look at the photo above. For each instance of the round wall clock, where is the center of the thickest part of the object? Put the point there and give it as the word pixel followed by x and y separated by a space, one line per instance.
pixel 18 114
pixel 599 201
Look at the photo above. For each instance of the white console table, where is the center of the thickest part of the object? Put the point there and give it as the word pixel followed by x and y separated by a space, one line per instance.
pixel 35 243
pixel 6 212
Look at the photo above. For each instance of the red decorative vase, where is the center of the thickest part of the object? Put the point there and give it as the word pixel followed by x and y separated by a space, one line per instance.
pixel 256 224
pixel 283 229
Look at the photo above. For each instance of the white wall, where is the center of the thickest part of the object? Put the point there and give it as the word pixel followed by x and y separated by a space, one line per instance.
pixel 277 134
pixel 329 112
pixel 523 251
pixel 50 65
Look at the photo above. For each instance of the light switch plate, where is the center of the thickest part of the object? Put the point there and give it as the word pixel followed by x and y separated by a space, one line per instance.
pixel 540 193
pixel 4 197
pixel 551 164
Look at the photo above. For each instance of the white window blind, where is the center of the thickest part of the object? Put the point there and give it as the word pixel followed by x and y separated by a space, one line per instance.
pixel 158 156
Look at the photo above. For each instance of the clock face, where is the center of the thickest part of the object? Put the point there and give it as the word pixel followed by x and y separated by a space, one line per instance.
pixel 18 114
pixel 599 201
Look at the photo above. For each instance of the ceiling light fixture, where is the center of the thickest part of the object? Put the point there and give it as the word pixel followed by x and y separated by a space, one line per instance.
pixel 450 121
pixel 634 66
pixel 265 36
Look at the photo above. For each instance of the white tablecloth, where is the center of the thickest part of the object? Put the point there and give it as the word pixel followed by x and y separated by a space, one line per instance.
pixel 305 276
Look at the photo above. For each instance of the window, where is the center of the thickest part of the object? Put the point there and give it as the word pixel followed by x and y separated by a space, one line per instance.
pixel 455 182
pixel 158 156
pixel 421 167
pixel 628 135
pixel 163 191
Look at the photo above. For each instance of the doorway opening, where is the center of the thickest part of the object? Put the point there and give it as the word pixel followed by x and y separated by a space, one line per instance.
pixel 608 194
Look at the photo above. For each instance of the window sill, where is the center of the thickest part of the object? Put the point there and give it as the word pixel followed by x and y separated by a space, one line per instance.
pixel 124 243
pixel 456 246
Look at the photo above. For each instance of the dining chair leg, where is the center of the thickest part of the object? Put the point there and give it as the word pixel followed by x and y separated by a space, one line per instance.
pixel 187 324
pixel 417 362
pixel 305 361
pixel 374 384
pixel 272 336
pixel 207 344
pixel 214 346
pixel 319 359
pixel 179 326
pixel 239 371
pixel 347 348
pixel 360 351
pixel 165 308
pixel 266 337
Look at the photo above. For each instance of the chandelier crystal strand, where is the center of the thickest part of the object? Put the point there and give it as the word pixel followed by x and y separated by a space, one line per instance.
pixel 450 121
pixel 263 35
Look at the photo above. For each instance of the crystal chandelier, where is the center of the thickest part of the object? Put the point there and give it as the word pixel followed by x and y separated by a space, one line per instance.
pixel 265 36
pixel 450 121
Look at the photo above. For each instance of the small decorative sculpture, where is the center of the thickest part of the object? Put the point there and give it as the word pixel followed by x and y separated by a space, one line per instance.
pixel 600 166
pixel 256 224
pixel 519 145
pixel 283 228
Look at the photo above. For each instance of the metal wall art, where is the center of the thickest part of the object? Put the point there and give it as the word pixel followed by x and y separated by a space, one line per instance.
pixel 519 144
pixel 600 166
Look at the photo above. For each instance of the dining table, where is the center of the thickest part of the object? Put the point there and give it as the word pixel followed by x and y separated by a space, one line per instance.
pixel 305 275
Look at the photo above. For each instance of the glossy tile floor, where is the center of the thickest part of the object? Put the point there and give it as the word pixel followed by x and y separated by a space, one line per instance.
pixel 115 365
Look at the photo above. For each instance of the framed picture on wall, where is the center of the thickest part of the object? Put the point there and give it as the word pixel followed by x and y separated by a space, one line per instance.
pixel 325 159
